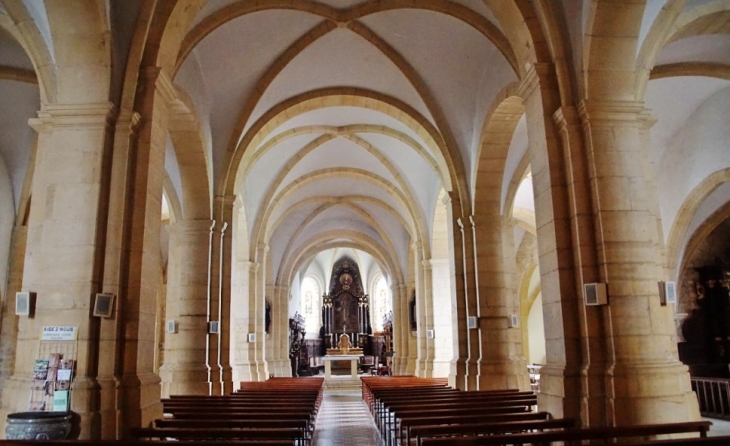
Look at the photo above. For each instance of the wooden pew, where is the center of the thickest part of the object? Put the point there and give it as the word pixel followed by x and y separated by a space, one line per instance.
pixel 722 440
pixel 301 423
pixel 142 443
pixel 415 432
pixel 283 408
pixel 576 436
pixel 374 383
pixel 464 403
pixel 394 426
pixel 388 396
pixel 207 433
pixel 409 424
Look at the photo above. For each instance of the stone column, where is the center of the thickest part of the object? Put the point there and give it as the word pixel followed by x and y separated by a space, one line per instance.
pixel 416 275
pixel 111 334
pixel 138 391
pixel 646 383
pixel 590 319
pixel 244 351
pixel 443 310
pixel 401 329
pixel 501 365
pixel 64 240
pixel 258 308
pixel 428 352
pixel 460 363
pixel 9 323
pixel 221 274
pixel 560 384
pixel 185 369
pixel 276 340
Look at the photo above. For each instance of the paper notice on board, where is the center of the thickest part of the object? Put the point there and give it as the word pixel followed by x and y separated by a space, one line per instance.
pixel 58 333
pixel 60 401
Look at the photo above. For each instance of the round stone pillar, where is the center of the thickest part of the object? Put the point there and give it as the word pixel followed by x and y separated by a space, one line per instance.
pixel 186 368
pixel 646 383
pixel 501 364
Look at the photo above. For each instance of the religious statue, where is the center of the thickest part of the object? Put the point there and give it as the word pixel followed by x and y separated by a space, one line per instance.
pixel 344 344
pixel 344 347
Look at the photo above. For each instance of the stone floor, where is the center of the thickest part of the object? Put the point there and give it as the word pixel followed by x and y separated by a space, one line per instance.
pixel 344 420
pixel 719 427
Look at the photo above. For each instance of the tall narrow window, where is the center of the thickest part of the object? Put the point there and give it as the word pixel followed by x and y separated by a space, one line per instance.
pixel 380 300
pixel 310 304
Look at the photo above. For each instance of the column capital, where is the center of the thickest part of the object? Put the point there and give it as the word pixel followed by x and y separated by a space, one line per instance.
pixel 128 122
pixel 530 83
pixel 446 200
pixel 162 82
pixel 427 265
pixel 193 226
pixel 610 112
pixel 226 201
pixel 565 116
pixel 81 116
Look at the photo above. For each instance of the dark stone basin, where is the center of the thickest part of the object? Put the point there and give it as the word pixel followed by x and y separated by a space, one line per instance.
pixel 38 425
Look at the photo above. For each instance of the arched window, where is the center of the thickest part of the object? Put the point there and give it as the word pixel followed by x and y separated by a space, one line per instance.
pixel 380 301
pixel 310 304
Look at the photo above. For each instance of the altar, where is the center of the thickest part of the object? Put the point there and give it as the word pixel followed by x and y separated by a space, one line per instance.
pixel 354 359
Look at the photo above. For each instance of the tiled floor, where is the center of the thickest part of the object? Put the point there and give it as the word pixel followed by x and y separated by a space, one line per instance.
pixel 344 420
pixel 719 427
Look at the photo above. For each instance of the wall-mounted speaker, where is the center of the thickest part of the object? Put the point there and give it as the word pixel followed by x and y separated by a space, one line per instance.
pixel 595 293
pixel 213 327
pixel 667 293
pixel 514 321
pixel 171 326
pixel 24 303
pixel 252 337
pixel 471 322
pixel 429 334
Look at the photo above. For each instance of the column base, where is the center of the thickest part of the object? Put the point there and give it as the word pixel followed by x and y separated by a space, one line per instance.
pixel 503 375
pixel 561 393
pixel 183 379
pixel 651 393
pixel 139 400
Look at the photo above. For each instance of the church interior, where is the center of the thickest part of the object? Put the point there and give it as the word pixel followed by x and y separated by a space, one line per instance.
pixel 527 194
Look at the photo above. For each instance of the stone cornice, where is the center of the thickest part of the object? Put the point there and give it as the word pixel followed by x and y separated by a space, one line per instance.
pixel 564 117
pixel 531 81
pixel 81 116
pixel 18 74
pixel 607 112
pixel 193 226
pixel 128 121
pixel 162 81
pixel 706 69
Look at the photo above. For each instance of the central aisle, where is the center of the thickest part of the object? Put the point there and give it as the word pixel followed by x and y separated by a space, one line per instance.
pixel 344 420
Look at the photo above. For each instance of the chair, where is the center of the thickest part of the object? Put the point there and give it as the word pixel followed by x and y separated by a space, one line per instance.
pixel 367 362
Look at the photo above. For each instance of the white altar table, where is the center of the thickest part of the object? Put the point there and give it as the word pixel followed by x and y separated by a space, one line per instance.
pixel 328 364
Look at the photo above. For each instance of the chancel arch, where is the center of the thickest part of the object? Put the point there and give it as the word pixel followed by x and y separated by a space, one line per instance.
pixel 203 187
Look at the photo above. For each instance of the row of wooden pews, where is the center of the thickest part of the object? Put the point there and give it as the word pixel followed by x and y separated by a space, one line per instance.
pixel 426 412
pixel 277 411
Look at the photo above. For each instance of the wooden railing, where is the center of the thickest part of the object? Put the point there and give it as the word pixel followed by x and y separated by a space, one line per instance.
pixel 713 395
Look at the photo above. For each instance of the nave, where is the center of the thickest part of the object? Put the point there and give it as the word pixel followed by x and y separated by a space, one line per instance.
pixel 344 420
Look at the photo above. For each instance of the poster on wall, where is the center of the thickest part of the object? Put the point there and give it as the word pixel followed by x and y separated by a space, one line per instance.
pixel 58 333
